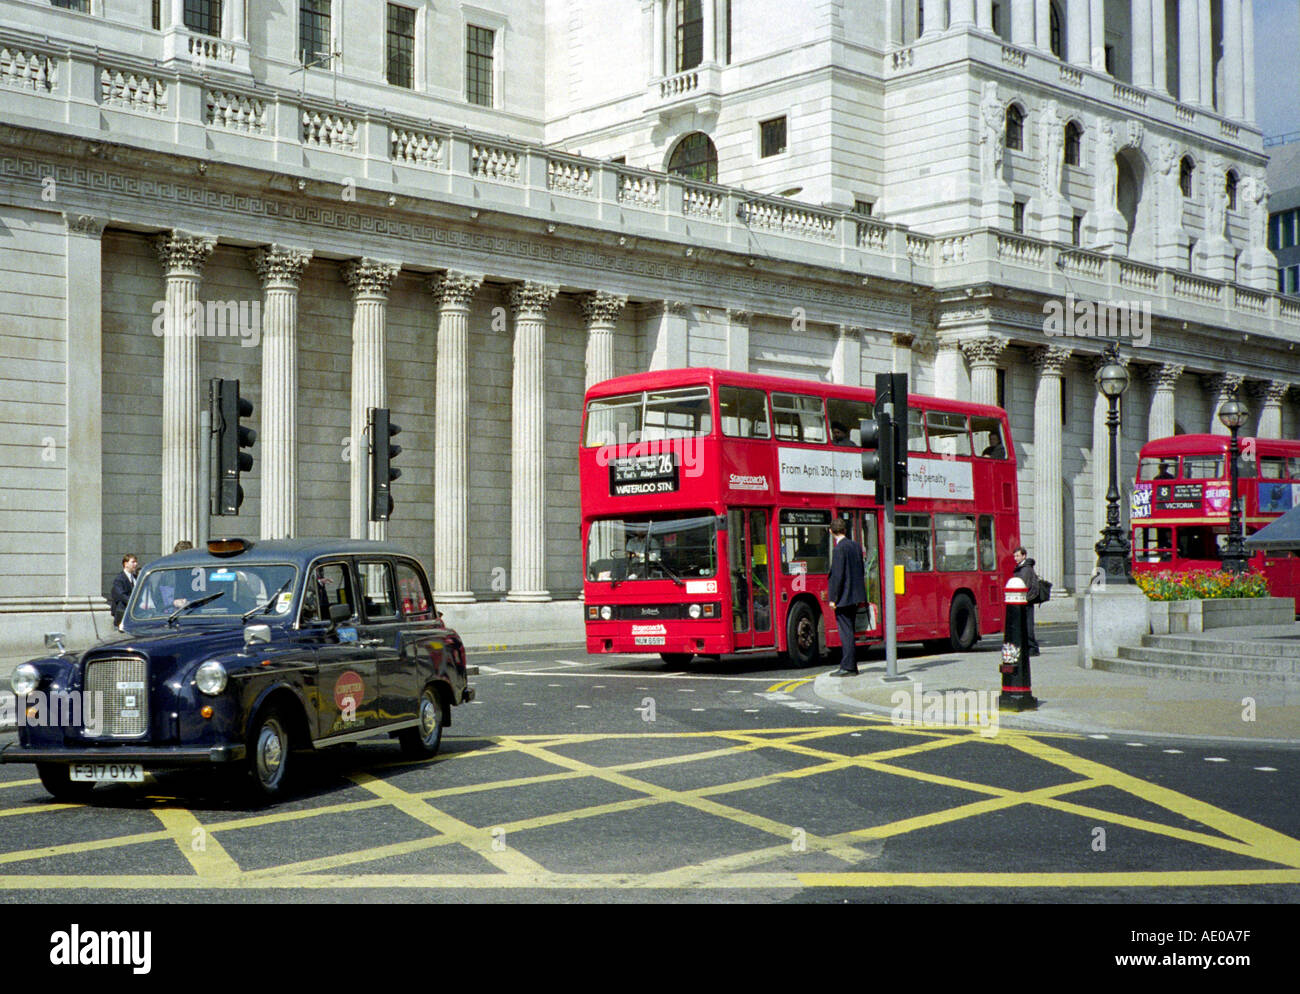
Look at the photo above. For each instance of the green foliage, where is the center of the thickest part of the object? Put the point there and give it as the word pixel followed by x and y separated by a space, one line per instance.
pixel 1166 585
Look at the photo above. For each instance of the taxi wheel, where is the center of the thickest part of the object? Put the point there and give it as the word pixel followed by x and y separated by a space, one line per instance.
pixel 963 623
pixel 677 660
pixel 268 754
pixel 802 639
pixel 56 778
pixel 424 739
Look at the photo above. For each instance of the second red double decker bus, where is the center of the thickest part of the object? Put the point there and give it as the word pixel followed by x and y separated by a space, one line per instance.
pixel 707 498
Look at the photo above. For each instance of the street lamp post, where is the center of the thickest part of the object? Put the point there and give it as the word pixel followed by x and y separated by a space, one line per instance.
pixel 1113 549
pixel 1233 415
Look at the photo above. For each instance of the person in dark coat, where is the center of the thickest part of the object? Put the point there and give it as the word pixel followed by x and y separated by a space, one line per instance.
pixel 847 589
pixel 123 585
pixel 1025 571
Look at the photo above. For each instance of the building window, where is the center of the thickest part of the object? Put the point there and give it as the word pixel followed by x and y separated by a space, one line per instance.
pixel 155 15
pixel 1018 217
pixel 863 207
pixel 694 157
pixel 1230 187
pixel 1073 141
pixel 1274 232
pixel 997 19
pixel 1002 389
pixel 1293 279
pixel 1015 127
pixel 1288 228
pixel 1065 401
pixel 1076 229
pixel 772 134
pixel 314 32
pixel 479 43
pixel 203 16
pixel 728 32
pixel 690 34
pixel 1057 48
pixel 80 6
pixel 1191 254
pixel 1110 60
pixel 401 46
pixel 1185 170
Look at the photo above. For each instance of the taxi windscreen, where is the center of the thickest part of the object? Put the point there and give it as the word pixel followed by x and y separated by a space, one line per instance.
pixel 242 589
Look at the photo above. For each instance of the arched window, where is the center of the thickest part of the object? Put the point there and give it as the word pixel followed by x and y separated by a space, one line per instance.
pixel 1058 49
pixel 1073 138
pixel 1230 185
pixel 1015 127
pixel 1185 170
pixel 694 157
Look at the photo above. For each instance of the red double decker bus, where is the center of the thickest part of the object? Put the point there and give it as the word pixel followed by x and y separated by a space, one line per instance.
pixel 1179 506
pixel 707 498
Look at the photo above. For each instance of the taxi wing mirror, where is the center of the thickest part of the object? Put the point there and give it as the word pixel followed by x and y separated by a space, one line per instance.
pixel 256 633
pixel 54 640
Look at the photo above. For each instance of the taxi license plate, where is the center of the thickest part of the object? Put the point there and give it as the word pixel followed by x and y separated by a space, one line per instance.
pixel 107 772
pixel 649 640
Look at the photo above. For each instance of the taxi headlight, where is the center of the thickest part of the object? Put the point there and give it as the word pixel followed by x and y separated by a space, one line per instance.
pixel 211 677
pixel 606 613
pixel 694 610
pixel 25 679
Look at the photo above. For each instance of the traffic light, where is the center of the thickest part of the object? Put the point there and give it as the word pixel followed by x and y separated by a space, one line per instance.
pixel 884 440
pixel 382 471
pixel 228 410
pixel 876 438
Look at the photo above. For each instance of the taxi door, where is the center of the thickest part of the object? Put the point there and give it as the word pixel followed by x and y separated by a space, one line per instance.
pixel 347 676
pixel 385 633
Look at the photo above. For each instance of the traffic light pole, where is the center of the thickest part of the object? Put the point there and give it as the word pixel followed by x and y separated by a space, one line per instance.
pixel 205 478
pixel 891 614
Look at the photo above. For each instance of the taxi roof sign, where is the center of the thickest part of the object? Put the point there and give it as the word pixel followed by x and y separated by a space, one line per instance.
pixel 228 546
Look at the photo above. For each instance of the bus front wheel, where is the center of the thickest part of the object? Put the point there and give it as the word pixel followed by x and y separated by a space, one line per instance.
pixel 801 636
pixel 963 623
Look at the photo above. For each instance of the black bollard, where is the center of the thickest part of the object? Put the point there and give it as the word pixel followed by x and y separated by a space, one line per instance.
pixel 1017 692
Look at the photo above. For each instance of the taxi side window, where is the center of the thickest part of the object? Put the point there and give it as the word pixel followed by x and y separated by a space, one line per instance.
pixel 414 597
pixel 378 590
pixel 328 585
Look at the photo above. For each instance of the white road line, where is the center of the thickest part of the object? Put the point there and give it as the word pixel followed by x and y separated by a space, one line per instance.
pixel 586 707
pixel 1098 735
pixel 573 674
pixel 1266 769
pixel 1136 745
pixel 1215 759
pixel 697 709
pixel 1173 752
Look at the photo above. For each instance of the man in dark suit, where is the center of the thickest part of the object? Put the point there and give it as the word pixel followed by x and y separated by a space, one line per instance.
pixel 122 588
pixel 846 590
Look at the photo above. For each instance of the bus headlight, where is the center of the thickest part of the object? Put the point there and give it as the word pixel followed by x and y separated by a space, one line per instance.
pixel 606 613
pixel 24 680
pixel 211 677
pixel 694 610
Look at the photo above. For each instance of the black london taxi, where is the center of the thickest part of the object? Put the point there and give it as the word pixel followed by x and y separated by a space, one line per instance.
pixel 238 655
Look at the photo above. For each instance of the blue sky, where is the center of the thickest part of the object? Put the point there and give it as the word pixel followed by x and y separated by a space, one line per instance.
pixel 1277 65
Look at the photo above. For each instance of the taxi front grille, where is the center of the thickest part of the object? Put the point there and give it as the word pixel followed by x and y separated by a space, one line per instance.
pixel 118 685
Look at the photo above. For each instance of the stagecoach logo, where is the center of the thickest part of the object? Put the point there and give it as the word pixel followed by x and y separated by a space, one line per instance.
pixel 739 482
pixel 649 629
pixel 655 474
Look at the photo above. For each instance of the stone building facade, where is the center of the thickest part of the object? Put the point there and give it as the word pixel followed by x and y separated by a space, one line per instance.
pixel 474 214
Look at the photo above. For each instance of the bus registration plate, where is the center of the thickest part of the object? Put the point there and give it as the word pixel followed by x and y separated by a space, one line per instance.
pixel 649 640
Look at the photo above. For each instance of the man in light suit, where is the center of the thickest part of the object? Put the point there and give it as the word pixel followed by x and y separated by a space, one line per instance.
pixel 122 588
pixel 846 590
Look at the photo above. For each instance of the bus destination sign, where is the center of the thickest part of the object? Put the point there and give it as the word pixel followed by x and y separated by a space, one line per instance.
pixel 656 474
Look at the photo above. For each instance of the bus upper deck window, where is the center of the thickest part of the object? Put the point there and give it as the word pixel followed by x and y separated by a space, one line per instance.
pixel 1202 467
pixel 986 435
pixel 948 435
pixel 915 430
pixel 677 413
pixel 848 414
pixel 743 412
pixel 613 421
pixel 1272 468
pixel 799 418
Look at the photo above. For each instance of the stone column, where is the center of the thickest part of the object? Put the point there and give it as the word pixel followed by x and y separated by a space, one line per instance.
pixel 1101 448
pixel 1223 387
pixel 1022 22
pixel 600 310
pixel 962 13
pixel 1270 411
pixel 901 359
pixel 1231 101
pixel 530 303
pixel 932 19
pixel 280 270
pixel 1097 24
pixel 1078 37
pixel 369 280
pixel 950 376
pixel 1049 534
pixel 182 256
pixel 982 354
pixel 1043 24
pixel 1159 55
pixel 1189 52
pixel 658 63
pixel 1205 58
pixel 177 21
pixel 667 334
pixel 846 363
pixel 710 31
pixel 1163 380
pixel 1248 60
pixel 738 340
pixel 83 395
pixel 454 292
pixel 1140 39
pixel 984 15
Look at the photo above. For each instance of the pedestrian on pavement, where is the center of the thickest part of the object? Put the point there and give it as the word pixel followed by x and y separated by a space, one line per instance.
pixel 1025 571
pixel 123 585
pixel 846 591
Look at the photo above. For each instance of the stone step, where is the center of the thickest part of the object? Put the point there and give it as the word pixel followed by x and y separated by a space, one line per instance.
pixel 1197 674
pixel 1211 660
pixel 1285 648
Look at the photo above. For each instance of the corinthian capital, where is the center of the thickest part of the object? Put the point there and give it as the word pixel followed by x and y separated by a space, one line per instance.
pixel 1222 385
pixel 183 254
pixel 601 307
pixel 1051 359
pixel 983 351
pixel 454 289
pixel 280 267
pixel 532 300
pixel 1275 390
pixel 1163 376
pixel 370 277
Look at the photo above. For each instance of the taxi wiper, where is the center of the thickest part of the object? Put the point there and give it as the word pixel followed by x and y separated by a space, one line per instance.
pixel 198 603
pixel 267 606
